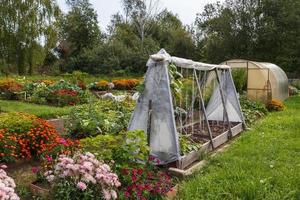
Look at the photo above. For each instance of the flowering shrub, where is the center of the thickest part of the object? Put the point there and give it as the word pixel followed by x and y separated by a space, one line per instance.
pixel 125 84
pixel 32 139
pixel 275 105
pixel 145 184
pixel 82 177
pixel 9 88
pixel 7 186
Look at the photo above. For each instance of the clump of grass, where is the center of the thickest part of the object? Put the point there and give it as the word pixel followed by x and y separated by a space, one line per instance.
pixel 42 111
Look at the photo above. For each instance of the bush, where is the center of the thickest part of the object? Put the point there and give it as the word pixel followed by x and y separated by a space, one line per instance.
pixel 296 84
pixel 141 183
pixel 99 118
pixel 275 105
pixel 61 93
pixel 125 149
pixel 125 84
pixel 252 110
pixel 240 79
pixel 25 136
pixel 9 89
pixel 82 177
pixel 293 91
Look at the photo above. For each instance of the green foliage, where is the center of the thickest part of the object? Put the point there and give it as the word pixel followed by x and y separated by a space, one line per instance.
pixel 296 84
pixel 99 118
pixel 252 110
pixel 66 190
pixel 254 30
pixel 125 148
pixel 187 145
pixel 61 94
pixel 15 122
pixel 253 166
pixel 240 79
pixel 22 24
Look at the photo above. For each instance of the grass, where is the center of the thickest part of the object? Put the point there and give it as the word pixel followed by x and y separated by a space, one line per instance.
pixel 264 163
pixel 42 111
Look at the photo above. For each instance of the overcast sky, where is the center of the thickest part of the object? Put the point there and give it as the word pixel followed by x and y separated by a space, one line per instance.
pixel 186 9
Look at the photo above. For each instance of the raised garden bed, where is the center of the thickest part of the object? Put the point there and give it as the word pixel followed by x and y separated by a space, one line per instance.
pixel 192 159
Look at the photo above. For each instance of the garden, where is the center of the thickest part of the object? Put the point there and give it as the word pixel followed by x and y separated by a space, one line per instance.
pixel 95 156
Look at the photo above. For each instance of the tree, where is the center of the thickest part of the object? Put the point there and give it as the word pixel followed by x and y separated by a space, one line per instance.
pixel 262 30
pixel 23 25
pixel 80 31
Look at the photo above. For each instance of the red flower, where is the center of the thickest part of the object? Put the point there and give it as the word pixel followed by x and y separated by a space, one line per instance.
pixel 126 194
pixel 35 170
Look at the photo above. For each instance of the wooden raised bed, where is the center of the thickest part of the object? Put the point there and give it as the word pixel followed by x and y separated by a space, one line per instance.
pixel 192 160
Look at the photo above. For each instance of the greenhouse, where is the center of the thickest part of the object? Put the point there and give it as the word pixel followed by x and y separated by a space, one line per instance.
pixel 265 81
pixel 190 101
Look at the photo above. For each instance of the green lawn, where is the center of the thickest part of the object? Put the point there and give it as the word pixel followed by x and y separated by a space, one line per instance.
pixel 42 111
pixel 263 163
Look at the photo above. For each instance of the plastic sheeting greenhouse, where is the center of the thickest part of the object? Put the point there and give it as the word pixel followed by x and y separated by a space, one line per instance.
pixel 183 98
pixel 265 81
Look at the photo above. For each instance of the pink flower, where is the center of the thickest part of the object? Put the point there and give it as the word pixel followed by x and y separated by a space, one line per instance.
pixel 49 158
pixel 81 185
pixel 107 195
pixel 35 170
pixel 63 141
pixel 3 166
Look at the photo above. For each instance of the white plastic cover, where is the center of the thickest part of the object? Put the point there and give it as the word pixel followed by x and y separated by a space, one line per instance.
pixel 163 135
pixel 215 108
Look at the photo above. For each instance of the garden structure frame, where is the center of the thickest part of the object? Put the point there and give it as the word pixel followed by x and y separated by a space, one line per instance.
pixel 265 81
pixel 184 98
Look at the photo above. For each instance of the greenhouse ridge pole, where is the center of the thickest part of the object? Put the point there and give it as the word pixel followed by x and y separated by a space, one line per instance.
pixel 204 111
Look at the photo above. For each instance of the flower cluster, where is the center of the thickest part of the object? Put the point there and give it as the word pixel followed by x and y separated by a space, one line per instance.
pixel 7 186
pixel 126 84
pixel 275 105
pixel 9 88
pixel 85 170
pixel 37 139
pixel 141 183
pixel 66 92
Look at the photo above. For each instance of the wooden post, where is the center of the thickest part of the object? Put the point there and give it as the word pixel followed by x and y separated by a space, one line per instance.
pixel 224 103
pixel 204 111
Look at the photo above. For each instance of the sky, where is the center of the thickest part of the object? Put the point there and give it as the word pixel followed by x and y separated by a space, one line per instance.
pixel 186 9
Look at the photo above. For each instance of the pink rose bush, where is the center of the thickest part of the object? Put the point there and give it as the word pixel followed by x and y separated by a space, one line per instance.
pixel 86 173
pixel 7 186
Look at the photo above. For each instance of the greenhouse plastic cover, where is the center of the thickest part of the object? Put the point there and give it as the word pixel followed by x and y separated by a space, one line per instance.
pixel 163 138
pixel 215 107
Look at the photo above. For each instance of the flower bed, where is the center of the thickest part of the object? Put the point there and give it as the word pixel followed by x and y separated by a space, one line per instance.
pixel 46 92
pixel 9 89
pixel 122 84
pixel 61 93
pixel 25 136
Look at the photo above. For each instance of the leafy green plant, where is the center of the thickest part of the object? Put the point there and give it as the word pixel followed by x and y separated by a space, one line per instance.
pixel 240 79
pixel 187 145
pixel 124 148
pixel 252 110
pixel 99 118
